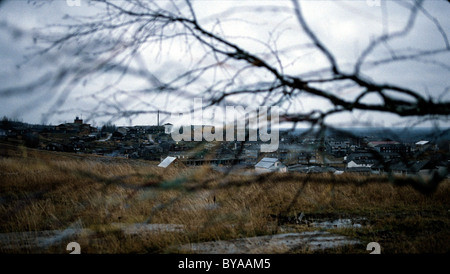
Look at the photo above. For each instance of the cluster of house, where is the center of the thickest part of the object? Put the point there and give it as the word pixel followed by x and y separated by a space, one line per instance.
pixel 396 157
pixel 296 153
pixel 310 155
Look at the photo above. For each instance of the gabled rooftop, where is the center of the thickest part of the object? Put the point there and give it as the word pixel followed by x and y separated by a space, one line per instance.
pixel 266 162
pixel 421 143
pixel 167 161
pixel 377 143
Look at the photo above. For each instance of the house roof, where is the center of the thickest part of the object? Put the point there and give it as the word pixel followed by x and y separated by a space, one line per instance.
pixel 167 161
pixel 364 161
pixel 421 143
pixel 377 143
pixel 360 157
pixel 361 154
pixel 266 162
pixel 317 169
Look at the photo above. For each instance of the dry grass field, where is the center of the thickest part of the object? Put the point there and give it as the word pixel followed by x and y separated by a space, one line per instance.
pixel 44 191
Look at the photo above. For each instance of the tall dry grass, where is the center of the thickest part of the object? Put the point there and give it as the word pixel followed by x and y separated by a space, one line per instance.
pixel 49 191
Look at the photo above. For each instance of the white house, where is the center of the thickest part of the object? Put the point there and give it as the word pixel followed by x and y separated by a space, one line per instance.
pixel 425 146
pixel 168 128
pixel 356 163
pixel 270 165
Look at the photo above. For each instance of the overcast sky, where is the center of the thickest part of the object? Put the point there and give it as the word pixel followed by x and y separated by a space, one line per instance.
pixel 347 27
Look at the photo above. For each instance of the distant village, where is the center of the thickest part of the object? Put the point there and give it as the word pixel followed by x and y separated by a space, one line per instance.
pixel 304 153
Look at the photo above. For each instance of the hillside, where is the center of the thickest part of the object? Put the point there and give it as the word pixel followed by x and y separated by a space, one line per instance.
pixel 133 206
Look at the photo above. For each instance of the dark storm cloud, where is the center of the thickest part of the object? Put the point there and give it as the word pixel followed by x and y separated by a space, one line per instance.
pixel 347 26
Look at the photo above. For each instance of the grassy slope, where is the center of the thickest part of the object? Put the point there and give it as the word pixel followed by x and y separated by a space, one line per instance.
pixel 44 191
